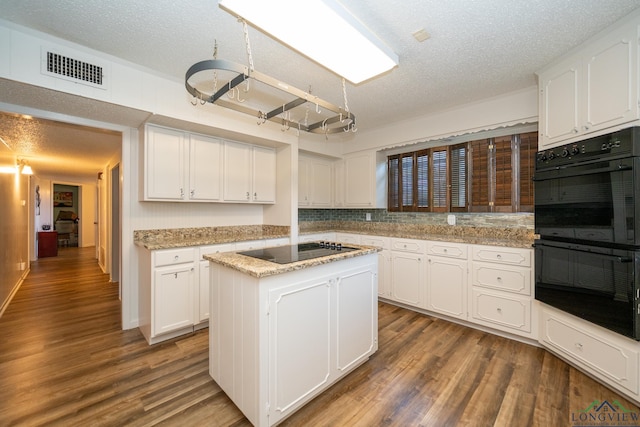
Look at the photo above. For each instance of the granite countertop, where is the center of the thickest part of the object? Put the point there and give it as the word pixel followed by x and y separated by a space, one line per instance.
pixel 184 237
pixel 492 236
pixel 260 268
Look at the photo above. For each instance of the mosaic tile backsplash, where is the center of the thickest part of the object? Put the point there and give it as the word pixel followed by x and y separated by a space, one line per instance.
pixel 495 220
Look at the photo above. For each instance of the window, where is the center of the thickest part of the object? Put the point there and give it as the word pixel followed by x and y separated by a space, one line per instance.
pixel 488 175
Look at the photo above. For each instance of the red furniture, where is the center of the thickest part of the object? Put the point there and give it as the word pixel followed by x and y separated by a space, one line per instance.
pixel 47 244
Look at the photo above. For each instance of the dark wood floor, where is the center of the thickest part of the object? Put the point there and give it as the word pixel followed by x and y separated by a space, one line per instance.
pixel 65 361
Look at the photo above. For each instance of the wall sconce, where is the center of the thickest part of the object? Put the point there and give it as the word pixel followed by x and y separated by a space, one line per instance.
pixel 24 166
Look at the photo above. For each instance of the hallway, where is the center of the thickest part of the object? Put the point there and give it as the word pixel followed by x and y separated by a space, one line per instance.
pixel 64 359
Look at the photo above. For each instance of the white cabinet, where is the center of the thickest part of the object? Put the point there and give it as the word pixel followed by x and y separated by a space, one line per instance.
pixel 447 273
pixel 181 167
pixel 594 89
pixel 501 291
pixel 384 263
pixel 348 238
pixel 607 356
pixel 360 181
pixel 315 180
pixel 338 184
pixel 249 173
pixel 317 237
pixel 279 341
pixel 408 271
pixel 201 301
pixel 205 168
pixel 167 287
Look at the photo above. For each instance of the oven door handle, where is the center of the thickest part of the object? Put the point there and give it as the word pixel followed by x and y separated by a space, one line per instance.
pixel 620 259
pixel 567 172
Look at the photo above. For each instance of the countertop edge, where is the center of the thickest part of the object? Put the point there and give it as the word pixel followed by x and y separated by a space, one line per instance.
pixel 260 268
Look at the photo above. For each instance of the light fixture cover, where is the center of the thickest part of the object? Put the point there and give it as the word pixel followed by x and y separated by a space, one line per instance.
pixel 322 30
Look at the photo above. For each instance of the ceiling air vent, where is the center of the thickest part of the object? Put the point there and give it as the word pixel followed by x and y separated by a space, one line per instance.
pixel 75 70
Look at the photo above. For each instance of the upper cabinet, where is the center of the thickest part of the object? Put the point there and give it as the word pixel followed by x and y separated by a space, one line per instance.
pixel 360 181
pixel 179 166
pixel 249 173
pixel 594 89
pixel 315 178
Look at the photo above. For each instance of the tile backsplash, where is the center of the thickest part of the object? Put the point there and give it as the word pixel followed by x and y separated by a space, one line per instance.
pixel 497 220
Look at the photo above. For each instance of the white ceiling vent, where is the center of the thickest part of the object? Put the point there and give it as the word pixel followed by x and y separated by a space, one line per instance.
pixel 73 69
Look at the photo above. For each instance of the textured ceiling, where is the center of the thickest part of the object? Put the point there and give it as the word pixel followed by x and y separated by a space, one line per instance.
pixel 477 49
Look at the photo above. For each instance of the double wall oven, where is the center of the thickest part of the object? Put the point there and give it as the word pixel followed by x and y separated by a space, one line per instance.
pixel 587 213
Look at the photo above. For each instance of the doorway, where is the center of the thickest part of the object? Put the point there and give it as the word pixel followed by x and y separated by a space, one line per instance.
pixel 67 206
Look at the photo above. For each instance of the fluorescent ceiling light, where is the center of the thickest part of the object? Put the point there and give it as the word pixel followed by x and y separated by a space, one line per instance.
pixel 322 30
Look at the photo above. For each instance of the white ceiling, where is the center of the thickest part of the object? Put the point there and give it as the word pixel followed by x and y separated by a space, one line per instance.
pixel 478 48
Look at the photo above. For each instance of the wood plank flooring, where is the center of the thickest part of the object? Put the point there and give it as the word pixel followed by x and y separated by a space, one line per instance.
pixel 64 361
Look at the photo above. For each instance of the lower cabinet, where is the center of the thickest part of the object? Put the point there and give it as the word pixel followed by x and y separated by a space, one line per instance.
pixel 174 287
pixel 447 272
pixel 407 278
pixel 202 299
pixel 611 358
pixel 278 341
pixel 172 290
pixel 166 293
pixel 384 263
pixel 501 289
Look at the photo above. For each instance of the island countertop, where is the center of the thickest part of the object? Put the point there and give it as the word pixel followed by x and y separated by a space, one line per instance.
pixel 260 268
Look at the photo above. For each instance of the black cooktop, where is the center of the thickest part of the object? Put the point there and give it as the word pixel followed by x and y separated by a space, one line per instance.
pixel 293 253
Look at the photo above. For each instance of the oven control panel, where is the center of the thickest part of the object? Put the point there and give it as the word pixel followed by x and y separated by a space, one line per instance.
pixel 624 143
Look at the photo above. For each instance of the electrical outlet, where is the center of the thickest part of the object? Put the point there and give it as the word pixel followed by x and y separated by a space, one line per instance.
pixel 451 219
pixel 368 216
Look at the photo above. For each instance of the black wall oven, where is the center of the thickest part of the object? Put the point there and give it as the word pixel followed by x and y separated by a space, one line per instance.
pixel 587 213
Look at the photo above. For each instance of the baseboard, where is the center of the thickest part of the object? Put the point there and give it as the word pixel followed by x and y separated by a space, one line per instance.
pixel 13 292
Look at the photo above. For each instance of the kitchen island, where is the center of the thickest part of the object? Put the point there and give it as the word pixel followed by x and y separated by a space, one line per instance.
pixel 280 334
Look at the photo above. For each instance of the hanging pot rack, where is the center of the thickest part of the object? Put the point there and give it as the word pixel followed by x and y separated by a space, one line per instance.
pixel 337 120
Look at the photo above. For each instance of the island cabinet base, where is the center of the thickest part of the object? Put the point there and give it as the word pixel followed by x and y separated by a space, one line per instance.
pixel 278 341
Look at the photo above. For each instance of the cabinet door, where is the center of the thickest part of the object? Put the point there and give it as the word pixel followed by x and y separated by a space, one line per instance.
pixel 304 198
pixel 173 298
pixel 610 82
pixel 264 175
pixel 560 102
pixel 356 318
pixel 202 306
pixel 165 164
pixel 339 184
pixel 205 168
pixel 300 361
pixel 447 286
pixel 407 278
pixel 237 172
pixel 320 183
pixel 360 181
pixel 384 274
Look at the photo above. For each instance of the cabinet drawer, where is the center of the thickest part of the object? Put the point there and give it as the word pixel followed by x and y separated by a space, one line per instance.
pixel 613 360
pixel 214 249
pixel 407 245
pixel 250 245
pixel 348 238
pixel 379 242
pixel 509 312
pixel 510 256
pixel 174 256
pixel 502 277
pixel 452 250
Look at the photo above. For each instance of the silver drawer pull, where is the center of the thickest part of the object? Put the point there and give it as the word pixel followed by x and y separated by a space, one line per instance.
pixel 499 279
pixel 499 310
pixel 578 346
pixel 499 256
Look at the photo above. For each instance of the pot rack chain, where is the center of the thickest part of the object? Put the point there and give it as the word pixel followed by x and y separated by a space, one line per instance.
pixel 247 73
